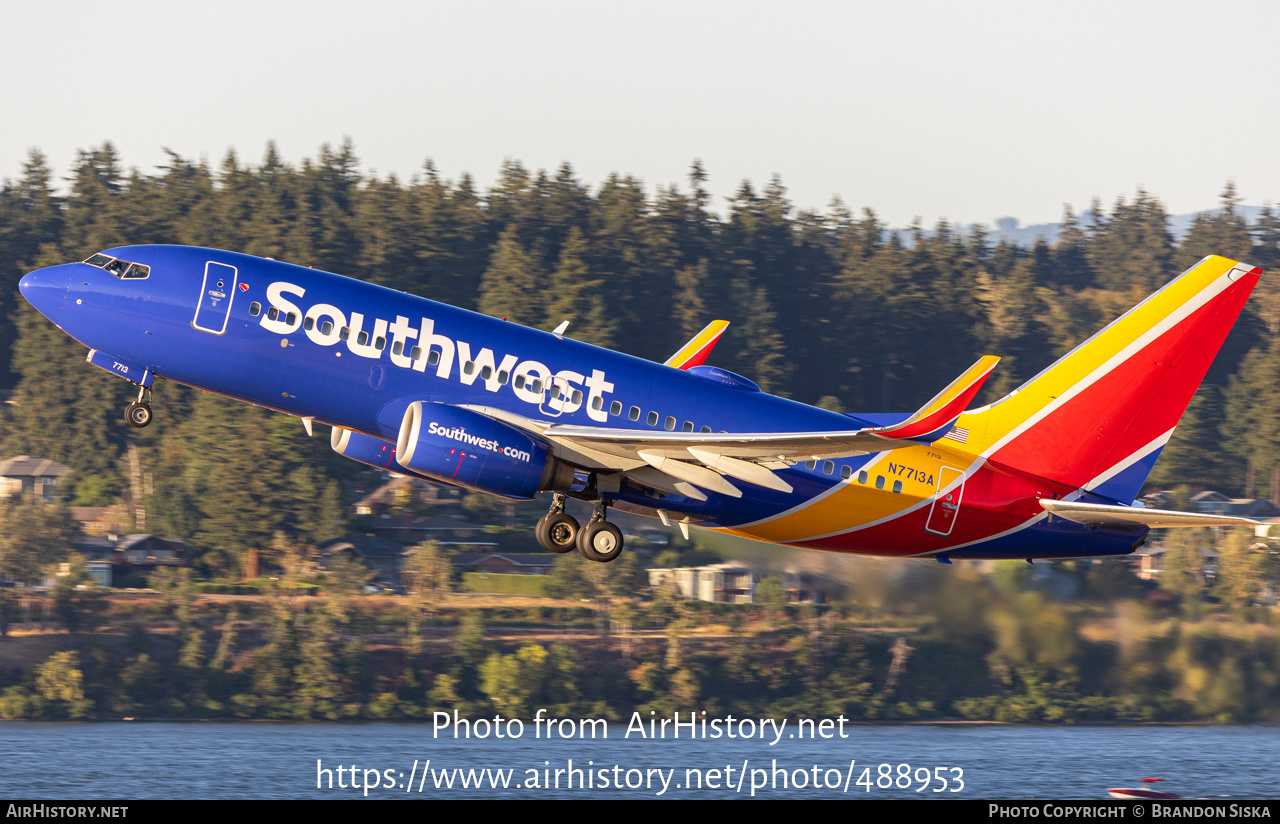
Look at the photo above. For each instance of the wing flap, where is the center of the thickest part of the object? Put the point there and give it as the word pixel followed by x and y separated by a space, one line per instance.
pixel 650 477
pixel 694 474
pixel 1124 516
pixel 752 473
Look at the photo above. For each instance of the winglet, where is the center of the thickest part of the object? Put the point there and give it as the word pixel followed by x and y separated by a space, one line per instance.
pixel 937 416
pixel 695 352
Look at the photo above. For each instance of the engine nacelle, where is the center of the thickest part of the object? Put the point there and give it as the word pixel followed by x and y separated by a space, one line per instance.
pixel 462 447
pixel 367 450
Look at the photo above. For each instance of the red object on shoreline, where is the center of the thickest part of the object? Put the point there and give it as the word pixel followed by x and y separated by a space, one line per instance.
pixel 1142 793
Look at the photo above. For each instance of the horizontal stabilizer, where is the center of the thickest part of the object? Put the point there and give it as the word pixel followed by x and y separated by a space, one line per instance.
pixel 695 352
pixel 1124 516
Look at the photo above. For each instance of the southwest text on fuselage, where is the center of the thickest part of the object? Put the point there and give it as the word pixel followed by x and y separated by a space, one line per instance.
pixel 419 347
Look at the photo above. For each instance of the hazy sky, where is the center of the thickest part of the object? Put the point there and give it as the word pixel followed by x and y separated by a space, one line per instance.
pixel 968 111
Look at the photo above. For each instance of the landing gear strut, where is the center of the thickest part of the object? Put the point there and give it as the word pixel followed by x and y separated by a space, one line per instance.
pixel 557 531
pixel 600 540
pixel 138 413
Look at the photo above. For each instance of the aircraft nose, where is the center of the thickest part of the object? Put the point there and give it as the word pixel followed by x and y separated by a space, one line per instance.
pixel 44 290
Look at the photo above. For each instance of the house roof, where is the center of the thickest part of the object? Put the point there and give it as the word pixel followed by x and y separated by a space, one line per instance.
pixel 84 542
pixel 434 523
pixel 366 546
pixel 385 495
pixel 537 559
pixel 125 542
pixel 88 514
pixel 129 541
pixel 721 567
pixel 1211 501
pixel 25 466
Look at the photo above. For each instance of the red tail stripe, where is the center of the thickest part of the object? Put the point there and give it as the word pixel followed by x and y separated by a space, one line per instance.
pixel 1134 403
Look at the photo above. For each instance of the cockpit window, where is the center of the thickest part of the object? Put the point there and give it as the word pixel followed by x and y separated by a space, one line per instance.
pixel 122 269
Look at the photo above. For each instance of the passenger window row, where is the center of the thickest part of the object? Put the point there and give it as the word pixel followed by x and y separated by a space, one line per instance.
pixel 668 423
pixel 846 472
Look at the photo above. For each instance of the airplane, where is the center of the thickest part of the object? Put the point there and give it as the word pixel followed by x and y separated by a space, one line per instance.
pixel 424 389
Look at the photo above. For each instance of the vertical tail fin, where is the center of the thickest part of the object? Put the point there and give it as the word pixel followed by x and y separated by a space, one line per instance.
pixel 1098 417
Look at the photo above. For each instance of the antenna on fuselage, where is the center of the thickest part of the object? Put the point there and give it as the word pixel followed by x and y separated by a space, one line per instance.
pixel 559 330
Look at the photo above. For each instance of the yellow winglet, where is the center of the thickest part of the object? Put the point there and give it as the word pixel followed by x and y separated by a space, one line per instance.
pixel 695 352
pixel 941 412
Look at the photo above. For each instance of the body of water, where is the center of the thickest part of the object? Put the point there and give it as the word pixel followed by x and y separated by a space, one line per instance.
pixel 100 761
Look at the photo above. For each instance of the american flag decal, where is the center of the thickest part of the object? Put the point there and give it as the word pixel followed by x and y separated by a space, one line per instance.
pixel 958 434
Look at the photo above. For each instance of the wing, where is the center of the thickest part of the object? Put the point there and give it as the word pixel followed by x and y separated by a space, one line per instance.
pixel 1123 516
pixel 684 462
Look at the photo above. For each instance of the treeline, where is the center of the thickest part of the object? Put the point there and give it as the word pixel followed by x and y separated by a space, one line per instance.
pixel 828 307
pixel 933 643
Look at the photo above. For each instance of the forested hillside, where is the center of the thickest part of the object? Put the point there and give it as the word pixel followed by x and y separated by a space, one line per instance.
pixel 826 307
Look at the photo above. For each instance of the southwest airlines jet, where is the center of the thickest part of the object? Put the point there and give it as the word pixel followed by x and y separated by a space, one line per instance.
pixel 425 389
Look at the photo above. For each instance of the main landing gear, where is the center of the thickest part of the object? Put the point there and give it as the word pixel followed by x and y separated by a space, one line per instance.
pixel 557 531
pixel 599 540
pixel 138 413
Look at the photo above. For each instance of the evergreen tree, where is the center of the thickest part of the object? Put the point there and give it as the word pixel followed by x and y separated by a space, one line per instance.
pixel 319 689
pixel 1070 267
pixel 690 308
pixel 575 297
pixel 30 218
pixel 1222 232
pixel 1132 252
pixel 1266 253
pixel 1250 419
pixel 512 287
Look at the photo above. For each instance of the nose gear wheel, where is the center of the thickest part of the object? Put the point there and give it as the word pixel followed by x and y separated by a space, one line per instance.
pixel 138 413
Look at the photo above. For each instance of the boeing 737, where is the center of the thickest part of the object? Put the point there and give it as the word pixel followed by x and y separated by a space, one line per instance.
pixel 429 390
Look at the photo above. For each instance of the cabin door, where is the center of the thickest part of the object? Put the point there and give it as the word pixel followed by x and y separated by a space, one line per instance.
pixel 216 293
pixel 553 397
pixel 946 506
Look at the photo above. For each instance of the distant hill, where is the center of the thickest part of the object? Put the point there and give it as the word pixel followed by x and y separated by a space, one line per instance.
pixel 1008 229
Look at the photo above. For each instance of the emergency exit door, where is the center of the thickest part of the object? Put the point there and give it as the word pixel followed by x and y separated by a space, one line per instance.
pixel 216 293
pixel 946 506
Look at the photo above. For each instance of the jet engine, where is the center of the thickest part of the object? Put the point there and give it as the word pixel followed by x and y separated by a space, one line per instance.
pixel 367 450
pixel 468 449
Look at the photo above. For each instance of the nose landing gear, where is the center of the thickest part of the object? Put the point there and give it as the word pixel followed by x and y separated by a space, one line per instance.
pixel 138 413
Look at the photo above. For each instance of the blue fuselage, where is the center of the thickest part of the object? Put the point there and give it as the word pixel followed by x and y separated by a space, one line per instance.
pixel 355 355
